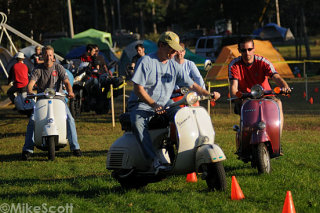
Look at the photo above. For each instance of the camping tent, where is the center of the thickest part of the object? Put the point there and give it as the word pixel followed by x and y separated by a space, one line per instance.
pixel 274 32
pixel 263 48
pixel 63 45
pixel 95 34
pixel 150 47
pixel 130 51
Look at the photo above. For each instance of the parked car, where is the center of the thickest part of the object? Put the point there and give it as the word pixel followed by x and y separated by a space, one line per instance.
pixel 209 46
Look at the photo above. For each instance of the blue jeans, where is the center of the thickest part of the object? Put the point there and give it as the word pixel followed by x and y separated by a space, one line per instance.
pixel 71 133
pixel 139 121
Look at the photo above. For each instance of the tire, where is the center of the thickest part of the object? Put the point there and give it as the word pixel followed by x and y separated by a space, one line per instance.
pixel 51 148
pixel 216 178
pixel 263 162
pixel 130 181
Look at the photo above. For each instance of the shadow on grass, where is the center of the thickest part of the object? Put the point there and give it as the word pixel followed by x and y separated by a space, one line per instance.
pixel 13 134
pixel 42 156
pixel 93 192
pixel 241 170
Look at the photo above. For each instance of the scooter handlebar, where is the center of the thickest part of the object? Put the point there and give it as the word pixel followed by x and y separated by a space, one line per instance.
pixel 32 95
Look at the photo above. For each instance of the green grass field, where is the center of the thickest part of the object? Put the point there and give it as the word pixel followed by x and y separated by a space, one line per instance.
pixel 87 185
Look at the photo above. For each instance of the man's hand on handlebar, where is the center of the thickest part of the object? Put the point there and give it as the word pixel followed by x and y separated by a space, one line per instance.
pixel 158 108
pixel 70 95
pixel 286 90
pixel 215 96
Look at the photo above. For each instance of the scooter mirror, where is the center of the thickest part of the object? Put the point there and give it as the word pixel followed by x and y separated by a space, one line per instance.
pixel 207 65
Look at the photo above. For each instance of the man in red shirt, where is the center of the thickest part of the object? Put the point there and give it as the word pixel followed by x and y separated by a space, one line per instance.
pixel 19 75
pixel 250 69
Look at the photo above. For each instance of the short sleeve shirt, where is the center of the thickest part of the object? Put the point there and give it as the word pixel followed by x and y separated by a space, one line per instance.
pixel 192 70
pixel 49 77
pixel 250 75
pixel 158 80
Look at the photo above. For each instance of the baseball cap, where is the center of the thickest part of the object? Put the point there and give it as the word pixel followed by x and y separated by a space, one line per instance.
pixel 20 55
pixel 171 39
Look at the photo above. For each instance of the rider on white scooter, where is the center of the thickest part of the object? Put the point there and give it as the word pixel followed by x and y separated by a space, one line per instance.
pixel 154 80
pixel 50 75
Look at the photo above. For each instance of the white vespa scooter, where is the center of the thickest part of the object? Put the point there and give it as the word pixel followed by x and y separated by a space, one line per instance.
pixel 50 122
pixel 188 146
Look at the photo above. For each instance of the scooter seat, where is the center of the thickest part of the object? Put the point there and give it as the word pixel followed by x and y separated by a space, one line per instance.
pixel 157 122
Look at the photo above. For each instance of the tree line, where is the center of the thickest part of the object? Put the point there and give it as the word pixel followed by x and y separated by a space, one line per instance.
pixel 34 18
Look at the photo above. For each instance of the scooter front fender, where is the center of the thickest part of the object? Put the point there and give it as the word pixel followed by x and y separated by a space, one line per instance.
pixel 50 130
pixel 259 137
pixel 208 153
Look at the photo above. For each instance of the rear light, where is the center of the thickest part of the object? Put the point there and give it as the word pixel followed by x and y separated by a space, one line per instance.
pixel 27 101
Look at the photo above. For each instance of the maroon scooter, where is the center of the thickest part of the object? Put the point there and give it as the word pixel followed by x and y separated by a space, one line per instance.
pixel 258 137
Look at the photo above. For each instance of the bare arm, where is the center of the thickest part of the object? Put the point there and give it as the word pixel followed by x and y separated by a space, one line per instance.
pixel 145 97
pixel 281 82
pixel 30 86
pixel 234 87
pixel 69 88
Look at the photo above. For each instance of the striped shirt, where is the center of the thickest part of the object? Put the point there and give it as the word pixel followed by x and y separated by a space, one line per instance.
pixel 250 75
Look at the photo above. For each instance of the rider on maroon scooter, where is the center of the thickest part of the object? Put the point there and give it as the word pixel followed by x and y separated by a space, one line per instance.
pixel 250 69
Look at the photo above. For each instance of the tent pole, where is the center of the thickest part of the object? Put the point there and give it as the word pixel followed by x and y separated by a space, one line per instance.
pixel 230 104
pixel 306 79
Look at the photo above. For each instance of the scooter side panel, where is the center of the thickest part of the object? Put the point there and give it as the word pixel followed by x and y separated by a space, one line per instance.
pixel 126 151
pixel 254 111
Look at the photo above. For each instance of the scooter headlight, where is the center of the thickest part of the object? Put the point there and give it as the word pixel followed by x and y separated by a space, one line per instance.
pixel 192 98
pixel 261 125
pixel 257 91
pixel 49 92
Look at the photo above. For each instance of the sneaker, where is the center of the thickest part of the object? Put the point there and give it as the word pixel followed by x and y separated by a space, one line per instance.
pixel 26 155
pixel 77 153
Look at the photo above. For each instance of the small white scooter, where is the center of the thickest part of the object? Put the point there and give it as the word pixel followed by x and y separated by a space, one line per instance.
pixel 50 122
pixel 187 146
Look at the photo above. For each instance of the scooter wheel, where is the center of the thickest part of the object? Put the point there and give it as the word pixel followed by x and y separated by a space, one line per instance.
pixel 263 162
pixel 216 178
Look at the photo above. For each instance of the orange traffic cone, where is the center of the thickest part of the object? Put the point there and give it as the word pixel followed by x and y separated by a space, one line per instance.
pixel 236 192
pixel 288 206
pixel 311 100
pixel 229 96
pixel 304 94
pixel 192 177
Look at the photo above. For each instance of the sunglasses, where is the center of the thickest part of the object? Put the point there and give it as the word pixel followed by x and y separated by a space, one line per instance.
pixel 245 50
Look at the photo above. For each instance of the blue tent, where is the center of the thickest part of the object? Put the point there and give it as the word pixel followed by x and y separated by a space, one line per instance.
pixel 130 51
pixel 274 32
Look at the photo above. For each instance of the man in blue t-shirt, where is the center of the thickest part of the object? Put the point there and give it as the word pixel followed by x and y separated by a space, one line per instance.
pixel 154 80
